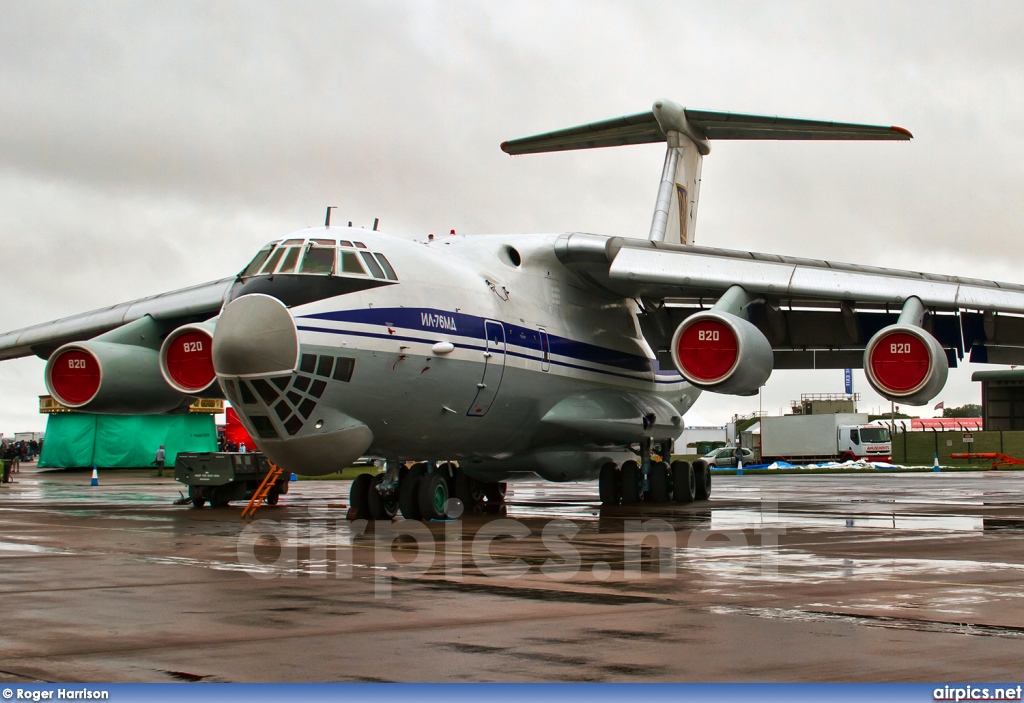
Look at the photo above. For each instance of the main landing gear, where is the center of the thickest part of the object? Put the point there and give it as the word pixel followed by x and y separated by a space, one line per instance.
pixel 422 491
pixel 681 482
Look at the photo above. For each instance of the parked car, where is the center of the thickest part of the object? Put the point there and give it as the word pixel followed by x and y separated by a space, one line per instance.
pixel 725 458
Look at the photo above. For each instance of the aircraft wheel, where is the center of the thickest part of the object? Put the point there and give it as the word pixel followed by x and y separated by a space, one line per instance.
pixel 408 491
pixel 703 476
pixel 684 482
pixel 630 490
pixel 381 507
pixel 659 482
pixel 433 497
pixel 607 484
pixel 358 497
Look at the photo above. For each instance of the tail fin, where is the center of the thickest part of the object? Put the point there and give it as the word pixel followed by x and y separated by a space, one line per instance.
pixel 687 132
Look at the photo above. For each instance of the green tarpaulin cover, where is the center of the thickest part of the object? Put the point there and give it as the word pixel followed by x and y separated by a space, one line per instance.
pixel 121 441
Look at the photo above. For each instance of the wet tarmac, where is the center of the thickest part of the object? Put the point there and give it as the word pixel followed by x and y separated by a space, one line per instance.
pixel 911 577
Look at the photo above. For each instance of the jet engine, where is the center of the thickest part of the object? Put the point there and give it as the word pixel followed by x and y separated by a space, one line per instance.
pixel 723 353
pixel 186 361
pixel 110 378
pixel 905 364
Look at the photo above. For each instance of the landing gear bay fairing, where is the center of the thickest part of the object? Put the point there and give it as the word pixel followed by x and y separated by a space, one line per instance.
pixel 489 357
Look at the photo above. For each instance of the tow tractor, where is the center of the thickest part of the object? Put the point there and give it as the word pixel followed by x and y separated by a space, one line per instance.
pixel 219 478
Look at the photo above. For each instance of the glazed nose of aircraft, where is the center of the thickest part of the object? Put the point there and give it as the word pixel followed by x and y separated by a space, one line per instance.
pixel 254 335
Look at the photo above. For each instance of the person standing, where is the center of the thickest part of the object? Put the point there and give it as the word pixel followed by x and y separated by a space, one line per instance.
pixel 160 457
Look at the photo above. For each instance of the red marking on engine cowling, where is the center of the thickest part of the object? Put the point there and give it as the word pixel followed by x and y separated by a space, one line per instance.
pixel 189 359
pixel 75 377
pixel 707 350
pixel 900 362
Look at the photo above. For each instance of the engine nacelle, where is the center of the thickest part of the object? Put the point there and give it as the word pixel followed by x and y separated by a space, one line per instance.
pixel 110 378
pixel 186 361
pixel 722 353
pixel 905 364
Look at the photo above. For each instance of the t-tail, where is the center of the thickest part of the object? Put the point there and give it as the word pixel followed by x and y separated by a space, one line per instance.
pixel 687 133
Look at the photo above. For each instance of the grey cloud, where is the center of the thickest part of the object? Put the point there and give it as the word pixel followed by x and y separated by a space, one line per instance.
pixel 147 146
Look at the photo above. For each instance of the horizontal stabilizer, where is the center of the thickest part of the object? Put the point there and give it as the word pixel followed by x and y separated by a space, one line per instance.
pixel 644 128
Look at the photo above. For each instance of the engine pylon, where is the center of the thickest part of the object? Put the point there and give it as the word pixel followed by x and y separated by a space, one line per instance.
pixel 903 362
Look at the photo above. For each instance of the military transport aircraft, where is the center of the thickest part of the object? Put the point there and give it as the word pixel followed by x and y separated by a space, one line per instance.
pixel 487 357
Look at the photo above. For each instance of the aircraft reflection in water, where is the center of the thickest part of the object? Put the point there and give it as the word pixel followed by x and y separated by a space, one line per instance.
pixel 566 355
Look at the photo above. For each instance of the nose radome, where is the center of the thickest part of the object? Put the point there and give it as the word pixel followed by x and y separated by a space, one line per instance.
pixel 255 334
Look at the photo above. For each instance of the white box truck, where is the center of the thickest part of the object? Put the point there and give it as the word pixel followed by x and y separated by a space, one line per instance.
pixel 839 437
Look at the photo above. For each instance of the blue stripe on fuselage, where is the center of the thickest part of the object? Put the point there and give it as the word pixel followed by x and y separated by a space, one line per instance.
pixel 472 326
pixel 554 362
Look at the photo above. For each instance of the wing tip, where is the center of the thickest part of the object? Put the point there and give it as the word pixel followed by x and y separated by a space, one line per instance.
pixel 901 130
pixel 505 147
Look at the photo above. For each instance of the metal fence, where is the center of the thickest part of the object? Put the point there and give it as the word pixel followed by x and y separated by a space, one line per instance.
pixel 919 447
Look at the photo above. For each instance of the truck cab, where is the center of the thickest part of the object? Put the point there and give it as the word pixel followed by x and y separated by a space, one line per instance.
pixel 871 442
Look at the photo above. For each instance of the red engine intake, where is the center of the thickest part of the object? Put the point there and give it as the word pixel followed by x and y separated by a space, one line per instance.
pixel 906 364
pixel 186 360
pixel 721 352
pixel 74 376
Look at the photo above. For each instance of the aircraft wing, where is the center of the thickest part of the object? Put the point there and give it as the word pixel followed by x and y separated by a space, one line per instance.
pixel 815 314
pixel 185 305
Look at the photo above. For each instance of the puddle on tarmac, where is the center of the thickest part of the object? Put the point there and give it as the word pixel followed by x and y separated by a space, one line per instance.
pixel 754 519
pixel 9 549
pixel 894 623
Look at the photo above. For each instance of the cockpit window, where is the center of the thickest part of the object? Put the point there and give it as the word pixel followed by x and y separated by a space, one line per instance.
pixel 274 260
pixel 350 263
pixel 371 263
pixel 345 244
pixel 318 259
pixel 387 267
pixel 257 261
pixel 293 242
pixel 290 259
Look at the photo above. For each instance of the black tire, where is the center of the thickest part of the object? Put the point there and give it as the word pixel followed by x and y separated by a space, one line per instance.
pixel 433 497
pixel 684 482
pixel 703 476
pixel 495 492
pixel 358 497
pixel 218 498
pixel 273 496
pixel 381 507
pixel 608 484
pixel 630 490
pixel 197 496
pixel 408 491
pixel 658 479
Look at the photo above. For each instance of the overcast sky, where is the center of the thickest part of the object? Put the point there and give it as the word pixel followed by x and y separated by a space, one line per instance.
pixel 149 146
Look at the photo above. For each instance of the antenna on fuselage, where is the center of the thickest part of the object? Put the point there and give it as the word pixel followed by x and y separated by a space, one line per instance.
pixel 327 220
pixel 376 220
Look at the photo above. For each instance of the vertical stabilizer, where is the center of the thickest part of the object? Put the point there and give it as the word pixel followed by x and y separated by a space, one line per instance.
pixel 675 212
pixel 686 132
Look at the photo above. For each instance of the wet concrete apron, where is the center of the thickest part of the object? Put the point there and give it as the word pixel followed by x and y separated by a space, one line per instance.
pixel 787 578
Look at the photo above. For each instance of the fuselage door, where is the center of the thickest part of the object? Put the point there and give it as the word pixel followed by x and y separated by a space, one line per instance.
pixel 494 369
pixel 545 350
